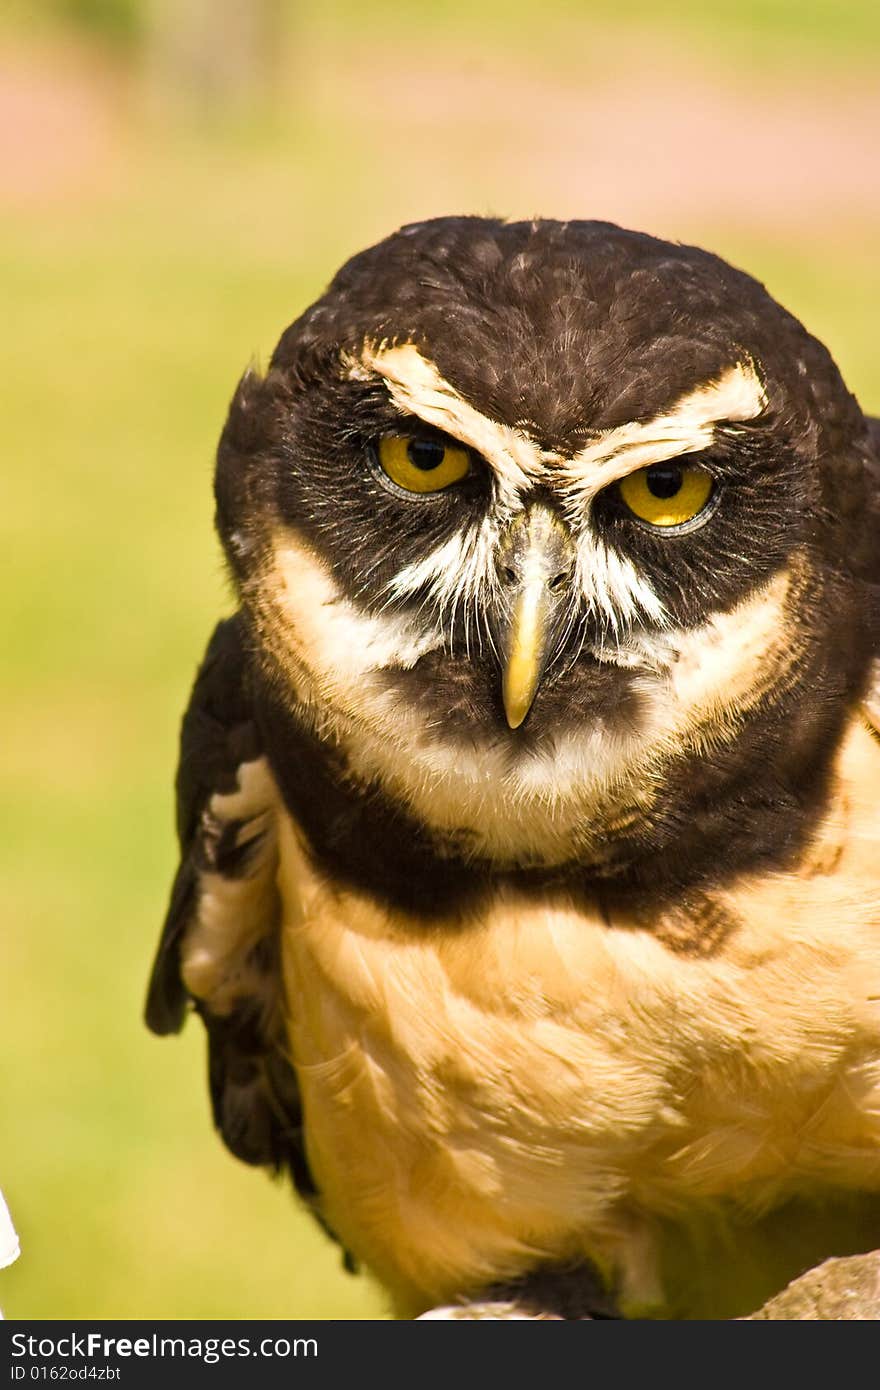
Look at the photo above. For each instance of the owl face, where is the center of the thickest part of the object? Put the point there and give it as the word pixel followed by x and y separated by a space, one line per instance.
pixel 532 519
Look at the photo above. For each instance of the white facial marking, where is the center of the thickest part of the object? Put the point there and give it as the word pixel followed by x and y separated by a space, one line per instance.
pixel 612 587
pixel 417 388
pixel 462 570
pixel 723 657
pixel 724 666
pixel 458 576
pixel 333 638
pixel 685 428
pixel 517 803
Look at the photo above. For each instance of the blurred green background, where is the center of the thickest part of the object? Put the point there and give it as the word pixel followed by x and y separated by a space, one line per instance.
pixel 178 180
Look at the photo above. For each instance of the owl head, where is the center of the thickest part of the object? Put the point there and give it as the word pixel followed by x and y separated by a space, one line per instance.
pixel 562 537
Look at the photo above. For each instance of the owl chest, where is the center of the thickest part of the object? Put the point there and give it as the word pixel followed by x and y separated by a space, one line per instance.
pixel 522 1084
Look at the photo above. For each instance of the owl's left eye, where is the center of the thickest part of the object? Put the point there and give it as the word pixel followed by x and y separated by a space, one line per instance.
pixel 422 465
pixel 667 494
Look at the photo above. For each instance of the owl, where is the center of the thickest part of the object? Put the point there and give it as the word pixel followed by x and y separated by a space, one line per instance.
pixel 529 800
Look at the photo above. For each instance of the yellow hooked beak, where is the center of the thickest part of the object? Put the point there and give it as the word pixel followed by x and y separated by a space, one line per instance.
pixel 535 566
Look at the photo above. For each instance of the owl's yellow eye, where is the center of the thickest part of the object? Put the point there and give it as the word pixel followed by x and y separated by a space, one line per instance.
pixel 667 494
pixel 422 465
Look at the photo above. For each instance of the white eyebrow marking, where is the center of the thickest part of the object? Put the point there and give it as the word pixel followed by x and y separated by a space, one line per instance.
pixel 685 427
pixel 416 387
pixel 519 463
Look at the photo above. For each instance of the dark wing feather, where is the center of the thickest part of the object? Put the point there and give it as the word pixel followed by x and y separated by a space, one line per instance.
pixel 873 462
pixel 217 736
pixel 233 856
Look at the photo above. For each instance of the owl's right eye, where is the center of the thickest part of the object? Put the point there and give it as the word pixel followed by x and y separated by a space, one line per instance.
pixel 667 494
pixel 422 464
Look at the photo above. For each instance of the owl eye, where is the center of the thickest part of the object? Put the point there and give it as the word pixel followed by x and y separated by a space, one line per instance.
pixel 422 465
pixel 666 494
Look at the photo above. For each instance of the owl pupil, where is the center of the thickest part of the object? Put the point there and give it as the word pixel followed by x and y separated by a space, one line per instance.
pixel 664 480
pixel 425 454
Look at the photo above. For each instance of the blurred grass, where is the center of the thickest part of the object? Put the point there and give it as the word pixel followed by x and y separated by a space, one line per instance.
pixel 751 34
pixel 130 312
pixel 754 32
pixel 126 337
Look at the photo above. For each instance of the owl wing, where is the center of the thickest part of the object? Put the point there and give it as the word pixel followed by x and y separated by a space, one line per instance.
pixel 219 945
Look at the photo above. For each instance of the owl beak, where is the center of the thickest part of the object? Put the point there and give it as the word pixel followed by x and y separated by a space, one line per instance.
pixel 535 565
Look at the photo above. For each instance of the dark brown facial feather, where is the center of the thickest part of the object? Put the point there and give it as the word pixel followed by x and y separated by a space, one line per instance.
pixel 576 326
